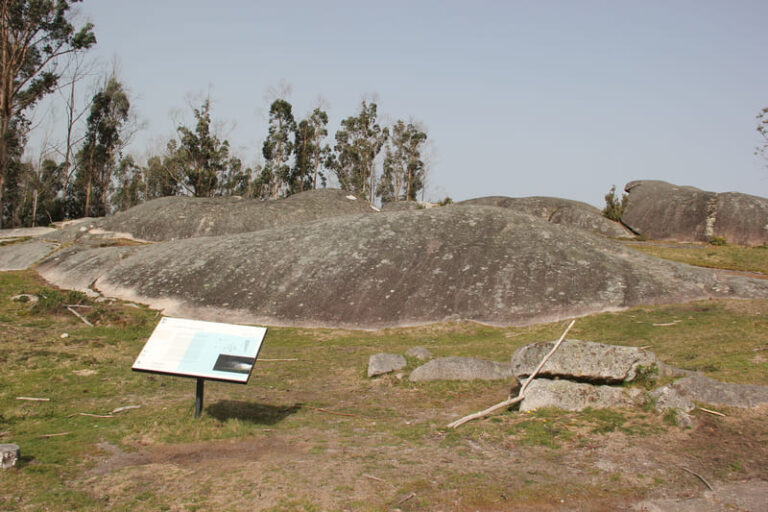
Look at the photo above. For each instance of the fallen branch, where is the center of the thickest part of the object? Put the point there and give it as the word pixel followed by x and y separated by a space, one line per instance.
pixel 45 436
pixel 675 322
pixel 712 412
pixel 697 476
pixel 91 415
pixel 366 475
pixel 333 412
pixel 521 394
pixel 125 408
pixel 410 496
pixel 33 399
pixel 78 315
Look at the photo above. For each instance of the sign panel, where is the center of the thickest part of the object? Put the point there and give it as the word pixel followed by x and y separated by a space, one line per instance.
pixel 209 350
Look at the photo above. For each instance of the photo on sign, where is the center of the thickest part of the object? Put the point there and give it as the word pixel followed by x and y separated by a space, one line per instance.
pixel 233 364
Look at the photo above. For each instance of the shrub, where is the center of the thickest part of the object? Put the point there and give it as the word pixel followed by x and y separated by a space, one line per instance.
pixel 614 207
pixel 718 240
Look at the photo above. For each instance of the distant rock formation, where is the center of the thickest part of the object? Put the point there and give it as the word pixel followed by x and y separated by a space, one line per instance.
pixel 662 211
pixel 558 211
pixel 175 217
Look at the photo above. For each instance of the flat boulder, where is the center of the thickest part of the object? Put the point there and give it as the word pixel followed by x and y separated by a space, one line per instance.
pixel 460 368
pixel 558 211
pixel 22 255
pixel 710 391
pixel 582 361
pixel 577 396
pixel 662 211
pixel 380 364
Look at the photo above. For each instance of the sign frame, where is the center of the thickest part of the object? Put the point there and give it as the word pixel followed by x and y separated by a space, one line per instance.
pixel 183 348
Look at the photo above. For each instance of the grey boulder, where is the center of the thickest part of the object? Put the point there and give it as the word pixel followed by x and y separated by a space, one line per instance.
pixel 582 361
pixel 379 364
pixel 577 396
pixel 9 455
pixel 420 353
pixel 663 211
pixel 461 368
pixel 710 391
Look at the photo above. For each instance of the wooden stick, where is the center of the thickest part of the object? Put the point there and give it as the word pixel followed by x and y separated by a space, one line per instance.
pixel 33 399
pixel 81 317
pixel 697 476
pixel 124 408
pixel 54 435
pixel 410 496
pixel 91 415
pixel 333 412
pixel 366 475
pixel 521 395
pixel 546 358
pixel 712 412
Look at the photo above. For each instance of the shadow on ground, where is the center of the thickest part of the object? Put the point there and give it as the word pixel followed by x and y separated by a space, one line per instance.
pixel 261 414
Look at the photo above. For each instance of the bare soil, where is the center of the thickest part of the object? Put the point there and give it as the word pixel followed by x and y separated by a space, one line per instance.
pixel 363 461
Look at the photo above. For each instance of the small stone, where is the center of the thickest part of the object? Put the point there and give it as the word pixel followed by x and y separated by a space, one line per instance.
pixel 461 368
pixel 379 364
pixel 9 455
pixel 420 353
pixel 64 335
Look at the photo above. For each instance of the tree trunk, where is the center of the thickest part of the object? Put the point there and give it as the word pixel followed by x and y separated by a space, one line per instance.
pixel 34 207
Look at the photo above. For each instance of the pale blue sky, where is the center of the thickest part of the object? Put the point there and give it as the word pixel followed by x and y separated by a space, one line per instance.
pixel 519 98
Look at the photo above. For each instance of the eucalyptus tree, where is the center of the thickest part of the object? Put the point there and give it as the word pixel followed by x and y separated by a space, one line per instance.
pixel 311 152
pixel 33 35
pixel 199 162
pixel 762 128
pixel 278 148
pixel 403 167
pixel 97 158
pixel 358 142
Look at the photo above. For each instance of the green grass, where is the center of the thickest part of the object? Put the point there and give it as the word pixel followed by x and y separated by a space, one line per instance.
pixel 745 259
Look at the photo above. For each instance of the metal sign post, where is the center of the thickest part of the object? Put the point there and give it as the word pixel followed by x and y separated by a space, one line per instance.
pixel 201 350
pixel 199 397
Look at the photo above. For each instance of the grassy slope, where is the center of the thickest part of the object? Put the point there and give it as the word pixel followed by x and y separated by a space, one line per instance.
pixel 745 259
pixel 719 338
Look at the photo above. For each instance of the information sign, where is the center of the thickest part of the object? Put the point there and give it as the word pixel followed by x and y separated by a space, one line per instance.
pixel 206 350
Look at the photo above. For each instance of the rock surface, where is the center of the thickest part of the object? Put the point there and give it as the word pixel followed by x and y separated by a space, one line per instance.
pixel 380 364
pixel 10 234
pixel 558 211
pixel 22 255
pixel 577 396
pixel 703 389
pixel 460 368
pixel 582 361
pixel 420 353
pixel 176 217
pixel 9 455
pixel 486 264
pixel 662 211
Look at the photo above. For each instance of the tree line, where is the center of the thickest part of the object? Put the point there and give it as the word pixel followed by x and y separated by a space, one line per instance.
pixel 93 175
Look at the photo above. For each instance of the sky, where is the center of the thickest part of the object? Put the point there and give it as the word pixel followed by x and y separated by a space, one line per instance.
pixel 519 98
